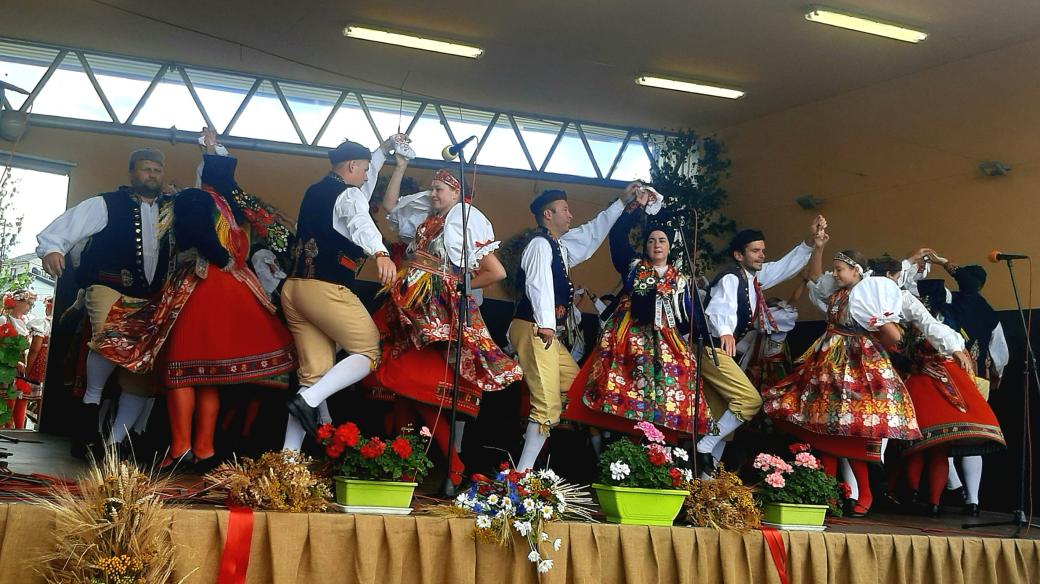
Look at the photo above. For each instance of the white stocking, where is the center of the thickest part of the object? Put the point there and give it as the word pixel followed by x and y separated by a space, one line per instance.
pixel 727 423
pixel 534 439
pixel 849 478
pixel 342 375
pixel 99 370
pixel 972 467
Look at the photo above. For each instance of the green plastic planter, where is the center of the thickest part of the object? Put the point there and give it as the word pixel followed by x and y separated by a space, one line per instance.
pixel 358 493
pixel 794 514
pixel 633 506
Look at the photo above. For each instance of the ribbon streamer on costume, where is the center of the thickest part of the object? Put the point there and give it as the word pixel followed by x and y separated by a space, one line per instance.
pixel 777 550
pixel 235 559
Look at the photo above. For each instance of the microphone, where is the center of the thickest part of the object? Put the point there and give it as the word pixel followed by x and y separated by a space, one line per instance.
pixel 452 152
pixel 996 256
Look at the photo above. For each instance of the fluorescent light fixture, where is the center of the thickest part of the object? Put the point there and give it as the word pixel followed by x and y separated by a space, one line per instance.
pixel 689 86
pixel 864 24
pixel 412 41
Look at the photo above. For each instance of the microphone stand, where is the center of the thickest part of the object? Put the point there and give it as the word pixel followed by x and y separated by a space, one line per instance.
pixel 448 490
pixel 1019 518
pixel 698 323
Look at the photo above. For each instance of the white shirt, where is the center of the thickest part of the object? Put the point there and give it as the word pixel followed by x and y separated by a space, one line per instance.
pixel 721 312
pixel 89 218
pixel 911 274
pixel 350 216
pixel 945 340
pixel 576 246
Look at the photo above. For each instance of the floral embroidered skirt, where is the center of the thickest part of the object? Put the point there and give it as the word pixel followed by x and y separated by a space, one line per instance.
pixel 942 422
pixel 844 386
pixel 636 373
pixel 419 330
pixel 201 331
pixel 768 370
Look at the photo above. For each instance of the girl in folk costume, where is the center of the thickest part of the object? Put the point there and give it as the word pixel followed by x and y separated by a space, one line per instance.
pixel 212 325
pixel 419 319
pixel 641 369
pixel 951 411
pixel 844 396
pixel 36 362
pixel 17 305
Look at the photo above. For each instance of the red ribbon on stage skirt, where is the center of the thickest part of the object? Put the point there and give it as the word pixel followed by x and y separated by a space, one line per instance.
pixel 235 559
pixel 777 549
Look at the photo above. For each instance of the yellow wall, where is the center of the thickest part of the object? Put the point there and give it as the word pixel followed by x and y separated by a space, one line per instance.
pixel 896 164
pixel 101 162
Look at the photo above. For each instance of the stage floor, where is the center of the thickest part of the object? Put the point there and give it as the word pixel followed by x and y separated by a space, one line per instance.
pixel 49 455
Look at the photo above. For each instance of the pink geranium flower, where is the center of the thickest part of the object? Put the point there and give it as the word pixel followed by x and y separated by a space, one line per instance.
pixel 776 480
pixel 807 460
pixel 651 432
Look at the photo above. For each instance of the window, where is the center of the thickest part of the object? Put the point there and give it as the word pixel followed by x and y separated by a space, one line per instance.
pixel 291 116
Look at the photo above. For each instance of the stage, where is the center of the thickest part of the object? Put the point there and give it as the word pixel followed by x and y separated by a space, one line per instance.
pixel 333 547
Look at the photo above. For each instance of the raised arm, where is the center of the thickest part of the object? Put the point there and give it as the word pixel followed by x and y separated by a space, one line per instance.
pixel 621 251
pixel 393 188
pixel 582 242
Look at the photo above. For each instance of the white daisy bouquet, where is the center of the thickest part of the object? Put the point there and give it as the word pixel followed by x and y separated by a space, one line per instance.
pixel 524 502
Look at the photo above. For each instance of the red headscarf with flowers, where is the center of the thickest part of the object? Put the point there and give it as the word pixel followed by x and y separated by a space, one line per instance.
pixel 445 176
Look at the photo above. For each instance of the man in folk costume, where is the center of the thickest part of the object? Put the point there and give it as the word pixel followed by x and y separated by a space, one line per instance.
pixel 125 255
pixel 546 294
pixel 335 233
pixel 735 305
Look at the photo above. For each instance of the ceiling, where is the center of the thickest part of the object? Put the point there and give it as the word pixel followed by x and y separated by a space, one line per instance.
pixel 568 58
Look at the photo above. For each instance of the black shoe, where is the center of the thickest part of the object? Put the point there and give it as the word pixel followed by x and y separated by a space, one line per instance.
pixel 847 508
pixel 934 510
pixel 309 417
pixel 956 496
pixel 705 463
pixel 203 466
pixel 971 509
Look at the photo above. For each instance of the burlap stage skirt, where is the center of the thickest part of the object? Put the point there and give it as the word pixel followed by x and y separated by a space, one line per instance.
pixel 336 548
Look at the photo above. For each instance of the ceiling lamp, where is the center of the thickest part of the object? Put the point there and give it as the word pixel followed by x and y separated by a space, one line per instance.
pixel 864 24
pixel 411 41
pixel 689 86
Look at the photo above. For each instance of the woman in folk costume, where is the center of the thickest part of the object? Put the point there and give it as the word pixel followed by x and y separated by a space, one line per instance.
pixel 641 369
pixel 419 318
pixel 212 325
pixel 17 305
pixel 844 395
pixel 951 411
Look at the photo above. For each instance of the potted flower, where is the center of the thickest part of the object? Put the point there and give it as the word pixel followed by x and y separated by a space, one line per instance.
pixel 642 484
pixel 795 494
pixel 373 475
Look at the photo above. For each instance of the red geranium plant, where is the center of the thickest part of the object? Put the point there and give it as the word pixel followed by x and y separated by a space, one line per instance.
pixel 356 457
pixel 12 351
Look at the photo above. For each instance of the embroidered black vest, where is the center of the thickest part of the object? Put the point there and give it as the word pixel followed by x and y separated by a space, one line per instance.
pixel 563 288
pixel 321 252
pixel 114 256
pixel 744 310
